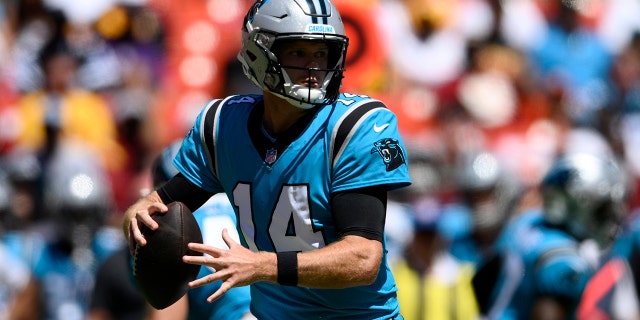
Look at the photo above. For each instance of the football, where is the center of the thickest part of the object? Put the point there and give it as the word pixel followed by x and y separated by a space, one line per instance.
pixel 161 275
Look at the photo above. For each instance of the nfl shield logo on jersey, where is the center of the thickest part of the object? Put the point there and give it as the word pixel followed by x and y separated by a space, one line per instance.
pixel 272 155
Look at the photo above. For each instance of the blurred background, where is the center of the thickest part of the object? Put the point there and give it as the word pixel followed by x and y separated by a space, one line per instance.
pixel 523 80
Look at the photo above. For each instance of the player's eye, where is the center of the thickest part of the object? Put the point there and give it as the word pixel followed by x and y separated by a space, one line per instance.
pixel 321 54
pixel 297 53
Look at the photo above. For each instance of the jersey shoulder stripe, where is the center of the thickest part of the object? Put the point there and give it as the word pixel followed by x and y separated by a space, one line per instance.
pixel 348 123
pixel 210 124
pixel 208 132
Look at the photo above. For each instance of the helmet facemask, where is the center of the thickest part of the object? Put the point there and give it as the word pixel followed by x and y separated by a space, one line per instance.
pixel 275 76
pixel 329 76
pixel 585 196
pixel 584 217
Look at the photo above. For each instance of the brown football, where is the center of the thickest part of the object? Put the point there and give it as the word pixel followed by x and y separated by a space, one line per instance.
pixel 157 267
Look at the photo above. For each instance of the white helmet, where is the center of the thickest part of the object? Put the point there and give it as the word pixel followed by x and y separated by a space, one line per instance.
pixel 585 195
pixel 77 192
pixel 271 21
pixel 487 188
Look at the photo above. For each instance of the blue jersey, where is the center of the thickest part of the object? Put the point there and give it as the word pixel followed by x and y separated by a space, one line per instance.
pixel 214 216
pixel 455 224
pixel 627 247
pixel 628 242
pixel 14 272
pixel 539 261
pixel 282 200
pixel 67 279
pixel 613 291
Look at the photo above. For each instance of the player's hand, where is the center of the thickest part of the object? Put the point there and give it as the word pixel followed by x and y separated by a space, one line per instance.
pixel 141 211
pixel 235 267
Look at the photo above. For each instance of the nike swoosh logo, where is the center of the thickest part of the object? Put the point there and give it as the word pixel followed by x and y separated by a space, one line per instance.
pixel 377 128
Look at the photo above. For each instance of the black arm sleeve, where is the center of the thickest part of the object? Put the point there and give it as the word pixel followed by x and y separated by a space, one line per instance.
pixel 360 212
pixel 181 189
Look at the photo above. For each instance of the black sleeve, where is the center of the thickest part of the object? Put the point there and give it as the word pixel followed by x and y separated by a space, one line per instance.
pixel 634 262
pixel 181 189
pixel 360 212
pixel 115 290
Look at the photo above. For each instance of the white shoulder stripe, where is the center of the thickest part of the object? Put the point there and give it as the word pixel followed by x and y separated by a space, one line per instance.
pixel 209 131
pixel 358 118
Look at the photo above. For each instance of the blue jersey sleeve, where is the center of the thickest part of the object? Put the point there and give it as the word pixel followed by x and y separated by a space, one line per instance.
pixel 193 160
pixel 564 275
pixel 374 154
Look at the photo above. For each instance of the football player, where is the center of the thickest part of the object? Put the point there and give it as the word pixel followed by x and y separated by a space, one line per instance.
pixel 306 167
pixel 549 254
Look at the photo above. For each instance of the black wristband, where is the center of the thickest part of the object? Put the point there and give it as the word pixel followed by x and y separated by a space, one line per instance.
pixel 288 268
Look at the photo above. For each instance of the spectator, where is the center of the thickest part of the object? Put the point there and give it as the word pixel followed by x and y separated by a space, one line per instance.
pixel 61 110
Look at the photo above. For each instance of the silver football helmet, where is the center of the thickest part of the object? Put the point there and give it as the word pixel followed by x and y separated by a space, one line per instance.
pixel 77 192
pixel 585 195
pixel 270 22
pixel 487 188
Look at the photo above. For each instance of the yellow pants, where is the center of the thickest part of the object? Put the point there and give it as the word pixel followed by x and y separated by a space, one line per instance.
pixel 444 293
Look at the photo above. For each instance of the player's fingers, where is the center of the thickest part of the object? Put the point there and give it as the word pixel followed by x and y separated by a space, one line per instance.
pixel 199 283
pixel 228 239
pixel 226 286
pixel 208 279
pixel 203 260
pixel 126 228
pixel 137 234
pixel 145 217
pixel 132 242
pixel 158 207
pixel 203 248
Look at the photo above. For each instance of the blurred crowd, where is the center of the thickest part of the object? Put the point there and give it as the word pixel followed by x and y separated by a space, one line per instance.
pixel 92 91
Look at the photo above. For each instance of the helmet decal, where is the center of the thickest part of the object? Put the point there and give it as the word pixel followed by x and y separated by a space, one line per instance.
pixel 252 12
pixel 315 13
pixel 319 28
